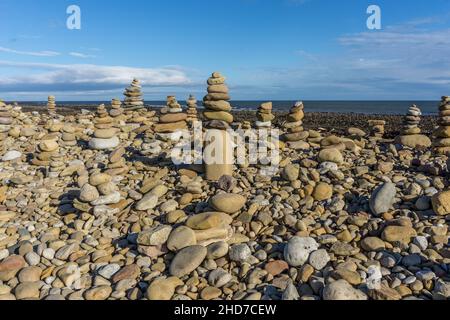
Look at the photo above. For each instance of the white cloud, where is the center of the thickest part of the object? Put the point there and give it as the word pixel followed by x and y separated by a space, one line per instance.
pixel 39 77
pixel 397 38
pixel 408 61
pixel 81 55
pixel 30 53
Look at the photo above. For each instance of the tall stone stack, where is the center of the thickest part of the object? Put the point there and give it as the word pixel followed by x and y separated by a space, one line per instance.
pixel 219 162
pixel 411 134
pixel 191 109
pixel 264 116
pixel 296 134
pixel 51 105
pixel 6 120
pixel 377 128
pixel 173 121
pixel 216 103
pixel 442 134
pixel 133 97
pixel 104 133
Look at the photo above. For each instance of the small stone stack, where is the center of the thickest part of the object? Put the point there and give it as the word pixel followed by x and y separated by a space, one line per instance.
pixel 410 135
pixel 173 121
pixel 216 103
pixel 296 135
pixel 133 97
pixel 46 149
pixel 19 120
pixel 192 109
pixel 412 121
pixel 57 165
pixel 99 195
pixel 116 110
pixel 442 134
pixel 377 128
pixel 51 105
pixel 264 116
pixel 117 164
pixel 6 120
pixel 264 120
pixel 68 137
pixel 104 134
pixel 54 125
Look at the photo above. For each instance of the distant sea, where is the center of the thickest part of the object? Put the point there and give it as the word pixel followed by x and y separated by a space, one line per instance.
pixel 364 107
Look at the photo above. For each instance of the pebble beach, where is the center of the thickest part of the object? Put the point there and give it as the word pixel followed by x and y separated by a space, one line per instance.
pixel 93 208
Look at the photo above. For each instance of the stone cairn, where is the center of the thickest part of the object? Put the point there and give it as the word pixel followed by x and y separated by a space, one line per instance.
pixel 377 128
pixel 57 164
pixel 172 121
pixel 296 135
pixel 116 111
pixel 104 133
pixel 19 120
pixel 46 149
pixel 6 131
pixel 216 103
pixel 51 105
pixel 68 137
pixel 54 125
pixel 412 121
pixel 133 97
pixel 268 165
pixel 442 134
pixel 219 119
pixel 117 164
pixel 411 134
pixel 191 109
pixel 6 120
pixel 137 118
pixel 264 116
pixel 98 195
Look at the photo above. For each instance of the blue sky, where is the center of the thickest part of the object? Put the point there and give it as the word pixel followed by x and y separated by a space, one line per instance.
pixel 268 49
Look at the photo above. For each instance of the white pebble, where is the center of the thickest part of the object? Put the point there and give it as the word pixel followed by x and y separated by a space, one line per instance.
pixel 32 258
pixel 48 253
pixel 109 270
pixel 421 242
pixel 4 254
